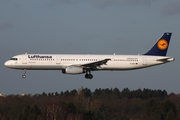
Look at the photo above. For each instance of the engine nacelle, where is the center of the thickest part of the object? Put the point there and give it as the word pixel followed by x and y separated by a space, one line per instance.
pixel 73 70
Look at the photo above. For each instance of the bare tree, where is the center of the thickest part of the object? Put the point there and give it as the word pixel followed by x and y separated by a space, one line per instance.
pixel 55 111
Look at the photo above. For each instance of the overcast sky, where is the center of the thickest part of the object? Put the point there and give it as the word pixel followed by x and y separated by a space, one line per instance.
pixel 88 27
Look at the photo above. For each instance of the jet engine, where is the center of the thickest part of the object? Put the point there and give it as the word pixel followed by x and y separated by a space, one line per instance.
pixel 73 70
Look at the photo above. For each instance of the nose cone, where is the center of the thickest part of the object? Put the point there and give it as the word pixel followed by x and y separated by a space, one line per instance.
pixel 7 64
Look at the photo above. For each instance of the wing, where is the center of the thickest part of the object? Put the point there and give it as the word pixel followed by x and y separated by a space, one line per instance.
pixel 95 65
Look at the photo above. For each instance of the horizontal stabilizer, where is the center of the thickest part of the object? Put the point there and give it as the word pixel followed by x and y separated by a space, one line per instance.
pixel 168 59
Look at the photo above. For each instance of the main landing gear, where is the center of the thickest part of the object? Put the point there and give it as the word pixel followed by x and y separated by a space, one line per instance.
pixel 24 75
pixel 88 75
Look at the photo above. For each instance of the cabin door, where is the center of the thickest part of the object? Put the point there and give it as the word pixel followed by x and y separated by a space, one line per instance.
pixel 58 60
pixel 24 59
pixel 144 61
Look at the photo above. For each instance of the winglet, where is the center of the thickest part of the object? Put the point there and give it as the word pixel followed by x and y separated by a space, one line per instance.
pixel 161 47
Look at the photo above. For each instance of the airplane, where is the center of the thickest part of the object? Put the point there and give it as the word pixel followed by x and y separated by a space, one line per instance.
pixel 86 63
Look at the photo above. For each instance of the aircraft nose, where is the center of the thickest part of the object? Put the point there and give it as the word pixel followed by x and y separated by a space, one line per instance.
pixel 7 64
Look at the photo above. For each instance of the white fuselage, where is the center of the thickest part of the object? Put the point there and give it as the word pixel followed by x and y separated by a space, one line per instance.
pixel 78 64
pixel 61 61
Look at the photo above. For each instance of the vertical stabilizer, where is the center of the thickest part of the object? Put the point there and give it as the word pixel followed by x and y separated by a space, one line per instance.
pixel 161 47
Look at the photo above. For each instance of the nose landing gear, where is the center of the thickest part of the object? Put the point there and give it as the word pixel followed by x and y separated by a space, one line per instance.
pixel 24 75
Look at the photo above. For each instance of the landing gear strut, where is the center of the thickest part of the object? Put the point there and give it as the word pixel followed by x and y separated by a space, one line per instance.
pixel 88 75
pixel 24 75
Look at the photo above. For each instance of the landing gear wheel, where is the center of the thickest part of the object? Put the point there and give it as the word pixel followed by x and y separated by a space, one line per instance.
pixel 88 76
pixel 24 75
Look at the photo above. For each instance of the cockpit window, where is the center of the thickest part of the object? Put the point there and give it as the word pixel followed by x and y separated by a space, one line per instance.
pixel 13 59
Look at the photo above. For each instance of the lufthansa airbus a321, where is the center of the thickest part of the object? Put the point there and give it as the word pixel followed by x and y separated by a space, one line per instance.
pixel 82 63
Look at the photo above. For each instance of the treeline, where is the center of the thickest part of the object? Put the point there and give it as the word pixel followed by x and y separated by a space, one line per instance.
pixel 114 93
pixel 83 104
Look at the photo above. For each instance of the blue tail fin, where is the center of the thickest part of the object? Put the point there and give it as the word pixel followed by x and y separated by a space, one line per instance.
pixel 161 47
